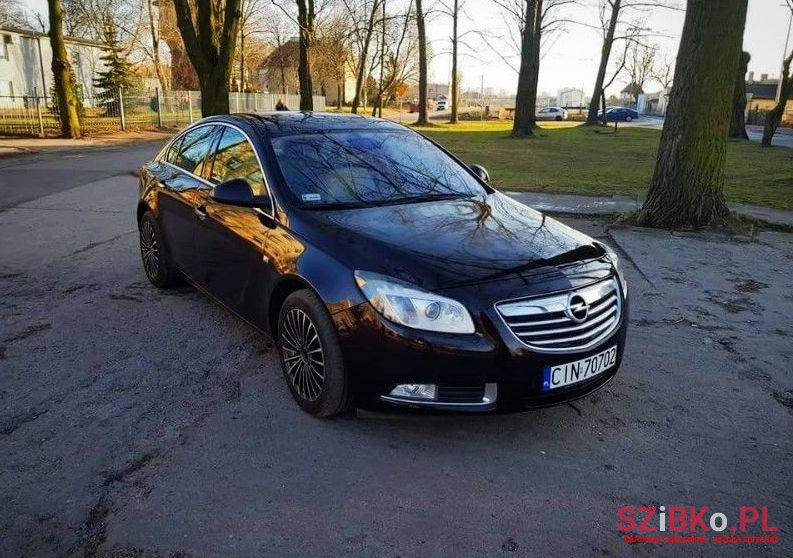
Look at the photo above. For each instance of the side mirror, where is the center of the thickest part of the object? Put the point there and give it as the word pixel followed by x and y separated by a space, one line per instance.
pixel 237 191
pixel 481 172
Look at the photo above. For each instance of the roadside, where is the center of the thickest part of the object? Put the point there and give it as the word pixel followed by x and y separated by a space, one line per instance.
pixel 12 147
pixel 568 204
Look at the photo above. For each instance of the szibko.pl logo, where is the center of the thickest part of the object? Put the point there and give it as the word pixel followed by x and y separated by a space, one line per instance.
pixel 690 524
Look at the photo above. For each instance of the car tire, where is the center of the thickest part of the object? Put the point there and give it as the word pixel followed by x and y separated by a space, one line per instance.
pixel 157 263
pixel 311 358
pixel 558 118
pixel 628 119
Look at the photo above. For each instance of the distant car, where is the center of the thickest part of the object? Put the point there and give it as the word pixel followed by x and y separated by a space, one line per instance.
pixel 619 114
pixel 551 113
pixel 441 104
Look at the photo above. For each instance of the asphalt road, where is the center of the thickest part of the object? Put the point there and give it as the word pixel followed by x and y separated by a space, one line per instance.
pixel 135 422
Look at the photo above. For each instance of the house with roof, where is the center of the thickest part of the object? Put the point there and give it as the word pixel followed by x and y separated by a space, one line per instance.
pixel 26 64
pixel 331 75
pixel 761 96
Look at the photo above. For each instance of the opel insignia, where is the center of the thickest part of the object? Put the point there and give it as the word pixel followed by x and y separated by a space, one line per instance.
pixel 387 271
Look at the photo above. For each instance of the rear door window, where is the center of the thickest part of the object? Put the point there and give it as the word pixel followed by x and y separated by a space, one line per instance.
pixel 195 150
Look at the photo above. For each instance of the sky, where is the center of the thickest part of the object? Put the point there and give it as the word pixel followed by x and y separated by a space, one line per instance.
pixel 570 57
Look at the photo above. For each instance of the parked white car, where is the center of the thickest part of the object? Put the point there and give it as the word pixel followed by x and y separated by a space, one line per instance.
pixel 441 104
pixel 551 113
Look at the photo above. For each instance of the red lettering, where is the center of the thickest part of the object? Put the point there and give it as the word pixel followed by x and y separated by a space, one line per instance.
pixel 625 513
pixel 765 525
pixel 677 518
pixel 697 517
pixel 747 515
pixel 644 526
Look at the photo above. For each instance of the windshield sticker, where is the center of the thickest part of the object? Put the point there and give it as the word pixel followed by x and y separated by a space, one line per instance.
pixel 311 197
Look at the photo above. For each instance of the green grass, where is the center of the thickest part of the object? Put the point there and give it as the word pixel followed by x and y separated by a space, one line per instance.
pixel 571 159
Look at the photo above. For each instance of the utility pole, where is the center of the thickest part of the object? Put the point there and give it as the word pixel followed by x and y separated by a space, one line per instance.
pixel 789 5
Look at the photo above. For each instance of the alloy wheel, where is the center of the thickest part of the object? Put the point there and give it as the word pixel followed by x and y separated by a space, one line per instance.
pixel 301 350
pixel 149 249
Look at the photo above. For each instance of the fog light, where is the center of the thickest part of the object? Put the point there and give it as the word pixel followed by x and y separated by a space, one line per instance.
pixel 415 391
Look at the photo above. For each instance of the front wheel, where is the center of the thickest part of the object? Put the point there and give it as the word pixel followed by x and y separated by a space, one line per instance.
pixel 628 119
pixel 558 118
pixel 311 357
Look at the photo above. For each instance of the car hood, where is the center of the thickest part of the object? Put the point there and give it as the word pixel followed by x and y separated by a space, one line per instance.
pixel 451 242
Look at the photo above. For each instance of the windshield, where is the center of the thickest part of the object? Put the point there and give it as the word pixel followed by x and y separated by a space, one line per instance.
pixel 361 168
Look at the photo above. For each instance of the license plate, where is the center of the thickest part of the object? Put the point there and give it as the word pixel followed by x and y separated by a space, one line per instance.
pixel 560 375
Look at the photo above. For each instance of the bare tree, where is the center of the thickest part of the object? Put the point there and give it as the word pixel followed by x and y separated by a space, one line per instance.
pixel 12 13
pixel 305 22
pixel 619 21
pixel 663 71
pixel 65 90
pixel 686 189
pixel 774 116
pixel 154 54
pixel 363 33
pixel 422 38
pixel 639 60
pixel 208 33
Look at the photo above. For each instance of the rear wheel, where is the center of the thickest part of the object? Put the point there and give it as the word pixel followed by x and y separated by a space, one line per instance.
pixel 311 357
pixel 157 264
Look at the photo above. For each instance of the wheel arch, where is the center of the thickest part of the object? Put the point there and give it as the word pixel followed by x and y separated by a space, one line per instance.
pixel 143 207
pixel 285 287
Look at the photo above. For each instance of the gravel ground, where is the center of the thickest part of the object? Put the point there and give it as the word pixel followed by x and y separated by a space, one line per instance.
pixel 135 422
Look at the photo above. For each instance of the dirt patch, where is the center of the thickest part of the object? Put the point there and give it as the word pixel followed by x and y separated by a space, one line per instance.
pixel 750 286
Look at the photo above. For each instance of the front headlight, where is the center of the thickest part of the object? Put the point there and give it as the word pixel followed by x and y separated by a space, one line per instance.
pixel 615 261
pixel 410 306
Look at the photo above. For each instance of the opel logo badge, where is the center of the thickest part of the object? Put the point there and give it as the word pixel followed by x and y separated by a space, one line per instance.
pixel 577 308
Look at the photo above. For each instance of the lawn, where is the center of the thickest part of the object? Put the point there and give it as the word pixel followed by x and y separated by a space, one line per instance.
pixel 571 159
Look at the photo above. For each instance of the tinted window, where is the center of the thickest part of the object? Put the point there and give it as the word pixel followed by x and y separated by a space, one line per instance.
pixel 195 149
pixel 365 168
pixel 235 158
pixel 173 152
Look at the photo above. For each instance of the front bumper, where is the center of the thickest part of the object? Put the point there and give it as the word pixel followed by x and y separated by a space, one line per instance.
pixel 381 355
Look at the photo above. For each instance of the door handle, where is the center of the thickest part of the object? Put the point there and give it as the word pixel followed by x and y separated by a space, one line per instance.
pixel 202 214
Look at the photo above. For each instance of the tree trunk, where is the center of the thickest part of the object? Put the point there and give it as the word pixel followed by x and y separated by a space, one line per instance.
pixel 154 27
pixel 686 189
pixel 774 116
pixel 305 20
pixel 210 45
pixel 738 120
pixel 526 98
pixel 422 120
pixel 65 90
pixel 605 54
pixel 455 41
pixel 241 87
pixel 360 78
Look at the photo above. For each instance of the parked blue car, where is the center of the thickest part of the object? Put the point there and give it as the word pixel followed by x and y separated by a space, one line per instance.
pixel 619 114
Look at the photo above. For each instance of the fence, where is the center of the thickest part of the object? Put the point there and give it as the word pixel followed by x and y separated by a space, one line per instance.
pixel 32 115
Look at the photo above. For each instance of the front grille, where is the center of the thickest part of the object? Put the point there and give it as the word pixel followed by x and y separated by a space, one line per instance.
pixel 461 394
pixel 546 323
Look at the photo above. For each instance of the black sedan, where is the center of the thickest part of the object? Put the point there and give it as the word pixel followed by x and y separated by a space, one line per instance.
pixel 387 271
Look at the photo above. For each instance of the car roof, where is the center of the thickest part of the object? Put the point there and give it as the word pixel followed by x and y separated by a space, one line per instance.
pixel 287 123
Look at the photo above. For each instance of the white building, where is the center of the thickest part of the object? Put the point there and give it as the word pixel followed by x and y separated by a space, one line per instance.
pixel 571 97
pixel 26 64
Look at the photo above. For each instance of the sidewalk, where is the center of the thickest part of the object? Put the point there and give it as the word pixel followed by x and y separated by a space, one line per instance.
pixel 594 205
pixel 20 146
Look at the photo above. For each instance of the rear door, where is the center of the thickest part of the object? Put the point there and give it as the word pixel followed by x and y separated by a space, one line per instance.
pixel 230 239
pixel 182 193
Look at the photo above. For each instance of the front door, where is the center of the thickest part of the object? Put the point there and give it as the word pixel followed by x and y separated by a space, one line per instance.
pixel 231 239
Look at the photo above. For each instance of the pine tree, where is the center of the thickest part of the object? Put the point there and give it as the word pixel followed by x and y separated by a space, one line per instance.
pixel 118 72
